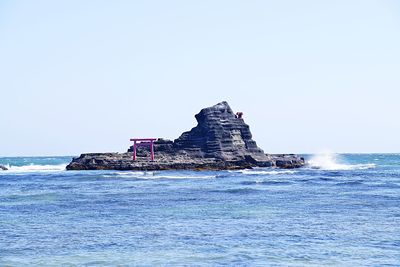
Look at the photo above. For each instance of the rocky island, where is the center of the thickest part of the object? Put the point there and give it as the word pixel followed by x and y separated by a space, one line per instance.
pixel 220 141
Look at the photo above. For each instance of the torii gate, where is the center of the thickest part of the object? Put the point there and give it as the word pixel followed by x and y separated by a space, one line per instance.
pixel 143 142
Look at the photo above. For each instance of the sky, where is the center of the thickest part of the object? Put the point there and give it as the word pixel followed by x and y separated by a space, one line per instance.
pixel 310 76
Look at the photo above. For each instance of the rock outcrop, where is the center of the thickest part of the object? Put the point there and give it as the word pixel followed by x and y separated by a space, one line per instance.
pixel 221 140
pixel 2 168
pixel 220 134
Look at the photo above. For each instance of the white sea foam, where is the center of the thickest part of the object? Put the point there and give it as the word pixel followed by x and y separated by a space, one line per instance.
pixel 36 168
pixel 331 161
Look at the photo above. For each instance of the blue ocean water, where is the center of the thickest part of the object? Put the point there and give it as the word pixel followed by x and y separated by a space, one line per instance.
pixel 342 210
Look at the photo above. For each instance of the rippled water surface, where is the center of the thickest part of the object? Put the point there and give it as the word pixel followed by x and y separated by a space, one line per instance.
pixel 342 211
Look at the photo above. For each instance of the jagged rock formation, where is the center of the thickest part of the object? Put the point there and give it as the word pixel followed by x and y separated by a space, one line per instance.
pixel 221 140
pixel 220 134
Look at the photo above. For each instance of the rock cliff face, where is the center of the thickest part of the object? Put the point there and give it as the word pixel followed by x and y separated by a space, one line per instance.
pixel 220 134
pixel 221 140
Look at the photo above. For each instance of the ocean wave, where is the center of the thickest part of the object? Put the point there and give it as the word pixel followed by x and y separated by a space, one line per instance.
pixel 240 191
pixel 266 172
pixel 350 183
pixel 265 182
pixel 154 175
pixel 331 162
pixel 35 168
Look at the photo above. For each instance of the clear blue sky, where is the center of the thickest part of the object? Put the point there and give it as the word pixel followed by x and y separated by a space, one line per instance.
pixel 85 76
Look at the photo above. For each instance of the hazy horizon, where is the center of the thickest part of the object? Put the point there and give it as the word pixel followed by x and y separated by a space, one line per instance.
pixel 310 76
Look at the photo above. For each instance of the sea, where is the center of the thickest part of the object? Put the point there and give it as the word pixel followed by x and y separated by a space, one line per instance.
pixel 339 210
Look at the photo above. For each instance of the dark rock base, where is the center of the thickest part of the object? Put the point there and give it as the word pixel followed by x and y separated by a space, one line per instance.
pixel 2 168
pixel 123 161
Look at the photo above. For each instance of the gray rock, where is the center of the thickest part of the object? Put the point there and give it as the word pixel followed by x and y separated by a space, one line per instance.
pixel 288 161
pixel 220 134
pixel 2 168
pixel 221 140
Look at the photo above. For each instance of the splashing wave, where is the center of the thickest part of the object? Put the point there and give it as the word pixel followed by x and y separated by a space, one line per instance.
pixel 331 161
pixel 36 168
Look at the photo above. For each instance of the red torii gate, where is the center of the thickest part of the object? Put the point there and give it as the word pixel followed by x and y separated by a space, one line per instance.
pixel 143 142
